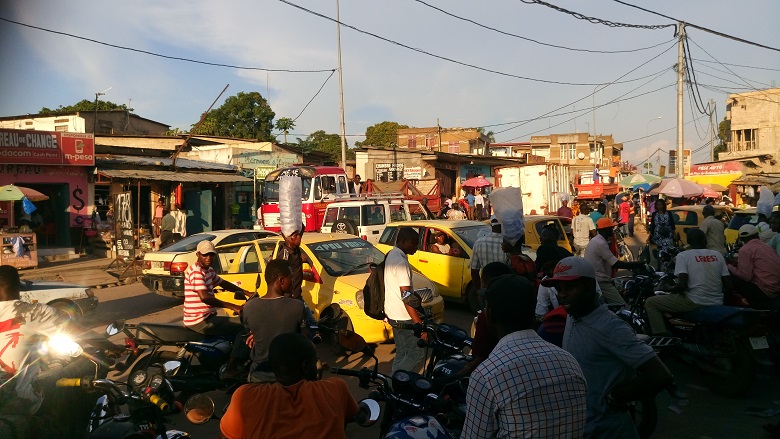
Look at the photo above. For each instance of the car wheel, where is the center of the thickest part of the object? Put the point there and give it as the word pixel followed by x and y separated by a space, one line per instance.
pixel 344 226
pixel 68 308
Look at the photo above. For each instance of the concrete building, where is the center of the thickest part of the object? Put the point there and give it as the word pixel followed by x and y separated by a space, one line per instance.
pixel 580 151
pixel 754 130
pixel 449 140
pixel 108 122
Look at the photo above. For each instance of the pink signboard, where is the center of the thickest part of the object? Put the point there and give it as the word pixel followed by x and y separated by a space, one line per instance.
pixel 716 168
pixel 46 148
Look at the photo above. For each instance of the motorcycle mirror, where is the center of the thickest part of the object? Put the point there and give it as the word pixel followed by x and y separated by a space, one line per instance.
pixel 171 367
pixel 199 408
pixel 368 412
pixel 63 345
pixel 352 341
pixel 115 327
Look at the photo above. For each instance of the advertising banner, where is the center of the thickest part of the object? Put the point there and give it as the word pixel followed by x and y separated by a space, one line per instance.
pixel 24 147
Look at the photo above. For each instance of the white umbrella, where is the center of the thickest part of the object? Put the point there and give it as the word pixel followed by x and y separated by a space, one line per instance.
pixel 679 188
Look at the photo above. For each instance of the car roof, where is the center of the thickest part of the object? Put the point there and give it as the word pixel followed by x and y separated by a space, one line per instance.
pixel 440 223
pixel 748 211
pixel 365 202
pixel 698 207
pixel 308 238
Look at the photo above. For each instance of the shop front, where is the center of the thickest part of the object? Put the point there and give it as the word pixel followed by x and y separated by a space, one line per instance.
pixel 56 164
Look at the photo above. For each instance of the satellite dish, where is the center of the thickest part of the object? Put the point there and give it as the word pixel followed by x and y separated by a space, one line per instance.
pixel 581 155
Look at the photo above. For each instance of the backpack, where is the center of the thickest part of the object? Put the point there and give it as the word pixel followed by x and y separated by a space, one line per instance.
pixel 374 292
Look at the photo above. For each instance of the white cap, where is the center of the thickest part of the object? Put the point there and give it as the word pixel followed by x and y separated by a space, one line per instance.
pixel 205 247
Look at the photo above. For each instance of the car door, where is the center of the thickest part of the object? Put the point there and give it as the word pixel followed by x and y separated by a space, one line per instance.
pixel 444 270
pixel 373 220
pixel 242 265
pixel 310 287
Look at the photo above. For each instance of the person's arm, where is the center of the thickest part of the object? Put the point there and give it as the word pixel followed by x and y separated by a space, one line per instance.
pixel 727 283
pixel 681 285
pixel 435 249
pixel 481 416
pixel 652 377
pixel 627 265
pixel 745 268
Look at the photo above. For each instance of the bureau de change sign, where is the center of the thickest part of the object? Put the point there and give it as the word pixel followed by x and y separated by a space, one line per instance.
pixel 24 147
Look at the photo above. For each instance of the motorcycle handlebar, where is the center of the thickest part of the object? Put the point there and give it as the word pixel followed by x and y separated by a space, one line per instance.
pixel 159 402
pixel 347 372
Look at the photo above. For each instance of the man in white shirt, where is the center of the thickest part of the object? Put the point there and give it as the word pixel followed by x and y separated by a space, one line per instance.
pixel 701 276
pixel 713 229
pixel 180 229
pixel 603 260
pixel 479 204
pixel 583 229
pixel 398 289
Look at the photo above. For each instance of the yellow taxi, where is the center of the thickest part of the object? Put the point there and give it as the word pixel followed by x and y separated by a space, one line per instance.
pixel 450 272
pixel 690 217
pixel 338 272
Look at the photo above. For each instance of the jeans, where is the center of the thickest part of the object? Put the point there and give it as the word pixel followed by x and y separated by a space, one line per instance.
pixel 408 356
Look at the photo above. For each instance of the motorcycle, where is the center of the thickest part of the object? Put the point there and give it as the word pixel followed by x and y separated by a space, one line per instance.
pixel 409 404
pixel 715 339
pixel 201 359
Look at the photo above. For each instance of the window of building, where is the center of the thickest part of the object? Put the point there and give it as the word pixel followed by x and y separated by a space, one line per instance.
pixel 412 142
pixel 568 151
pixel 430 141
pixel 453 147
pixel 744 140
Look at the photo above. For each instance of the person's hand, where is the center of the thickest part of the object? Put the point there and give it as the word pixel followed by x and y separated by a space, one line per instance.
pixel 424 337
pixel 250 340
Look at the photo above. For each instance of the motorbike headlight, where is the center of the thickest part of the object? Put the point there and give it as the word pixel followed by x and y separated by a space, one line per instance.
pixel 63 346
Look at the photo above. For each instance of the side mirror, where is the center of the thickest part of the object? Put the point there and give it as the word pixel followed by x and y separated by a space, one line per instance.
pixel 115 328
pixel 171 367
pixel 368 412
pixel 352 341
pixel 199 408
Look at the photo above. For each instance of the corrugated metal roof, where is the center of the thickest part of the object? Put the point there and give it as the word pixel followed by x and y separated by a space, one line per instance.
pixel 160 161
pixel 179 176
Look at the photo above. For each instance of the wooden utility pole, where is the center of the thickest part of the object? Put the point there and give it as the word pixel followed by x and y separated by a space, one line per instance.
pixel 679 168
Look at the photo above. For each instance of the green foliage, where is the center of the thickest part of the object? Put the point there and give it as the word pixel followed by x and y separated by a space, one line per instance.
pixel 324 142
pixel 244 116
pixel 85 105
pixel 285 124
pixel 490 134
pixel 724 131
pixel 382 135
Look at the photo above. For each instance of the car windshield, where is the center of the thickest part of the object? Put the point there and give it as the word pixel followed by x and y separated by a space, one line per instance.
pixel 471 233
pixel 271 190
pixel 346 256
pixel 190 243
pixel 740 219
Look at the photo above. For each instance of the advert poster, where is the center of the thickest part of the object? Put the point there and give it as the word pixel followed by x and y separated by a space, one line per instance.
pixel 24 147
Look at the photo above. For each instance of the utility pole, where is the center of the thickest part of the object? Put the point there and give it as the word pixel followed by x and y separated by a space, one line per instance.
pixel 679 165
pixel 712 130
pixel 341 93
pixel 439 128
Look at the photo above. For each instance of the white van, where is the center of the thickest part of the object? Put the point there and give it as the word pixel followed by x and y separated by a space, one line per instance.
pixel 368 217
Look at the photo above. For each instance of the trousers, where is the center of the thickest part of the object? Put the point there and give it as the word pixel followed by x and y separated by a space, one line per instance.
pixel 610 293
pixel 408 356
pixel 656 306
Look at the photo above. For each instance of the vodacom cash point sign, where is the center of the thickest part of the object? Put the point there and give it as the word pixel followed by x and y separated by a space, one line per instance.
pixel 46 148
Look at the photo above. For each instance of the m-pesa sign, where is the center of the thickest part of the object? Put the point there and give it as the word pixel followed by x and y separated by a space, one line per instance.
pixel 24 147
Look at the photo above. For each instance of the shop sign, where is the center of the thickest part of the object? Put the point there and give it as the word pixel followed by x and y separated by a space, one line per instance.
pixel 46 148
pixel 468 171
pixel 262 171
pixel 413 173
pixel 720 168
pixel 123 223
pixel 388 168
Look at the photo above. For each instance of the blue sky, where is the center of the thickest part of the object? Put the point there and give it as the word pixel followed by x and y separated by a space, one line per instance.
pixel 383 81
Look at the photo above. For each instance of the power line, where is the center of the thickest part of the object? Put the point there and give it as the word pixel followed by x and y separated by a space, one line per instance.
pixel 702 28
pixel 315 95
pixel 594 20
pixel 176 58
pixel 728 73
pixel 444 58
pixel 531 39
pixel 738 65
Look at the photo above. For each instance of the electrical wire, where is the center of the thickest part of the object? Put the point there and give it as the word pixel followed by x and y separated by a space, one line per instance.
pixel 594 20
pixel 702 28
pixel 176 58
pixel 444 58
pixel 739 84
pixel 315 95
pixel 468 20
pixel 738 65
pixel 728 73
pixel 693 88
pixel 693 114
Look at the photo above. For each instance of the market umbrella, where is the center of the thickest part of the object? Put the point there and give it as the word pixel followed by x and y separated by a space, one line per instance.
pixel 477 182
pixel 639 179
pixel 679 188
pixel 708 192
pixel 656 188
pixel 12 192
pixel 716 187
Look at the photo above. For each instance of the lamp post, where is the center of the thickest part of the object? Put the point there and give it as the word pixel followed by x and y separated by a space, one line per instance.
pixel 647 131
pixel 94 123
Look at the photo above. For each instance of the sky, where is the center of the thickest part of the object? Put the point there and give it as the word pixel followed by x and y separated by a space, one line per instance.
pixel 464 64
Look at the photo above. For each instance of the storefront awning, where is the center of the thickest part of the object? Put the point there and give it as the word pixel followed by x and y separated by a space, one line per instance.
pixel 179 176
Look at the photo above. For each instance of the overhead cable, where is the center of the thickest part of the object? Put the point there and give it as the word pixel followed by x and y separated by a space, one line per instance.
pixel 702 28
pixel 737 65
pixel 177 58
pixel 594 20
pixel 574 49
pixel 732 72
pixel 315 95
pixel 444 58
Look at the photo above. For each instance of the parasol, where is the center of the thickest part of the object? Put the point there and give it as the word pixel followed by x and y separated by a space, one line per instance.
pixel 679 188
pixel 708 192
pixel 477 182
pixel 639 179
pixel 11 192
pixel 716 187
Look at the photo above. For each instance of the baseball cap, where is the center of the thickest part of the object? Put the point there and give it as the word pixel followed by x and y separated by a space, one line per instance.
pixel 205 247
pixel 605 223
pixel 708 209
pixel 747 230
pixel 570 269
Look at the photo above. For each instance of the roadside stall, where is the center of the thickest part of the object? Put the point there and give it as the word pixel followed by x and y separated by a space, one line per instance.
pixel 18 243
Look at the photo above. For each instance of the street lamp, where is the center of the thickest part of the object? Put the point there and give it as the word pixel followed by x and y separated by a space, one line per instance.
pixel 647 132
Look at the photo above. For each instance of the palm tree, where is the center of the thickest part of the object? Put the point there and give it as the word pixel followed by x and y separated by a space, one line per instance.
pixel 285 124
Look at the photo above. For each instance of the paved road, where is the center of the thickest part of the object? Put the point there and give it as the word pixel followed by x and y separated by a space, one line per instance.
pixel 706 415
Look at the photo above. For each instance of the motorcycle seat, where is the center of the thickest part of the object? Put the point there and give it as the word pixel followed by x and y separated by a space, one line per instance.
pixel 731 316
pixel 171 332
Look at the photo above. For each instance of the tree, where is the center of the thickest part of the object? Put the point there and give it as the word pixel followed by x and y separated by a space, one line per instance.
pixel 84 106
pixel 324 142
pixel 285 125
pixel 245 116
pixel 724 132
pixel 382 135
pixel 490 134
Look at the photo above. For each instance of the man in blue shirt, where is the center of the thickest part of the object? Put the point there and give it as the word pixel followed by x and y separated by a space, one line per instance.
pixel 470 201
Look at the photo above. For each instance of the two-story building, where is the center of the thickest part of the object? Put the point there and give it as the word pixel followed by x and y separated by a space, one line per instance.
pixel 754 135
pixel 581 151
pixel 449 140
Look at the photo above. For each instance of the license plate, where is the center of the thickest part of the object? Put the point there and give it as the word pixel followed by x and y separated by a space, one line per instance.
pixel 759 343
pixel 158 264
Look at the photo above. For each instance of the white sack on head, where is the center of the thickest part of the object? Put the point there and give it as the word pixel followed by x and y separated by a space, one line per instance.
pixel 507 205
pixel 765 200
pixel 563 196
pixel 290 206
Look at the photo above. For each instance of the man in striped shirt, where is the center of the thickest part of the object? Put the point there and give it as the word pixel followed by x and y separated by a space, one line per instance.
pixel 488 248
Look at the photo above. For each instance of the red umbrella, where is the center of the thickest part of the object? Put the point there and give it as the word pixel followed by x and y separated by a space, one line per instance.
pixel 477 182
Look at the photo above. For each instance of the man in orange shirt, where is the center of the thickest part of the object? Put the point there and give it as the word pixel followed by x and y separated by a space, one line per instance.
pixel 297 405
